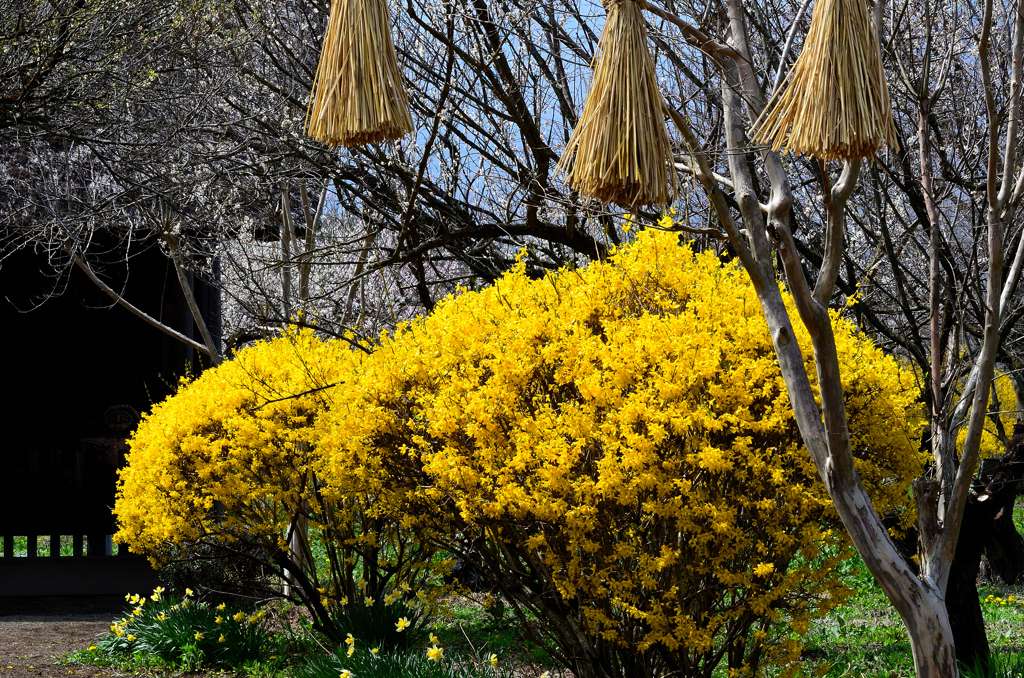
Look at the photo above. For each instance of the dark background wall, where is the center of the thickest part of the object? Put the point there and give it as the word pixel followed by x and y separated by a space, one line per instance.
pixel 67 355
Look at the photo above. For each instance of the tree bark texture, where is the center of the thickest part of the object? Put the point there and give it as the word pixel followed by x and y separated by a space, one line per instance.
pixel 962 602
pixel 1004 480
pixel 987 529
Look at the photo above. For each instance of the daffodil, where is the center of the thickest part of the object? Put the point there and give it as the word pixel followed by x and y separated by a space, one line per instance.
pixel 494 660
pixel 402 624
pixel 435 653
pixel 199 635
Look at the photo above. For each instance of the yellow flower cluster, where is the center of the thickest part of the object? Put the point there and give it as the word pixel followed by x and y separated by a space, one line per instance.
pixel 628 426
pixel 999 424
pixel 227 453
pixel 993 599
pixel 233 456
pixel 622 433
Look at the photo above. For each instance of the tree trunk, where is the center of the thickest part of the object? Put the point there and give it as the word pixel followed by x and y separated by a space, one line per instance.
pixel 987 527
pixel 1004 549
pixel 962 603
pixel 1003 546
pixel 919 602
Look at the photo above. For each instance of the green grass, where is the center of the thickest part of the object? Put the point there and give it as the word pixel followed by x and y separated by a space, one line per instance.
pixel 477 626
pixel 43 546
pixel 402 664
pixel 865 637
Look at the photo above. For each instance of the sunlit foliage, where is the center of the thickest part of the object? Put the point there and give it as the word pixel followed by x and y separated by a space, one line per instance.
pixel 613 447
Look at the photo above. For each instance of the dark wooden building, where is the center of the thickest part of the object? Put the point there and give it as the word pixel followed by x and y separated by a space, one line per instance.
pixel 76 372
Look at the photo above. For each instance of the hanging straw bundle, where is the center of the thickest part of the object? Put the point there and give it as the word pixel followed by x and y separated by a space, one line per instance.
pixel 620 151
pixel 836 103
pixel 359 93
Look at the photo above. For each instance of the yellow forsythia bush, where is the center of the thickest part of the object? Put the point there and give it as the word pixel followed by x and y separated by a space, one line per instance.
pixel 230 462
pixel 615 449
pixel 999 424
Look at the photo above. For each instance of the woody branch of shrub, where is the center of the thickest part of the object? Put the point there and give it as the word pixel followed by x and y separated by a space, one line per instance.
pixel 229 461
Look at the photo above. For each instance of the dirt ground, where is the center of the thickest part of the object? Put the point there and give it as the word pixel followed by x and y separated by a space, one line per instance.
pixel 35 631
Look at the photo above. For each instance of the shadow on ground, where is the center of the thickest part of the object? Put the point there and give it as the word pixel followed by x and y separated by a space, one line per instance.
pixel 35 631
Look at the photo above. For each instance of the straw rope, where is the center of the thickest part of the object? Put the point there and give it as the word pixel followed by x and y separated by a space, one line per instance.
pixel 836 102
pixel 359 92
pixel 620 151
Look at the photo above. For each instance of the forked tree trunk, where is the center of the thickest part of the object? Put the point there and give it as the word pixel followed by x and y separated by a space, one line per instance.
pixel 919 601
